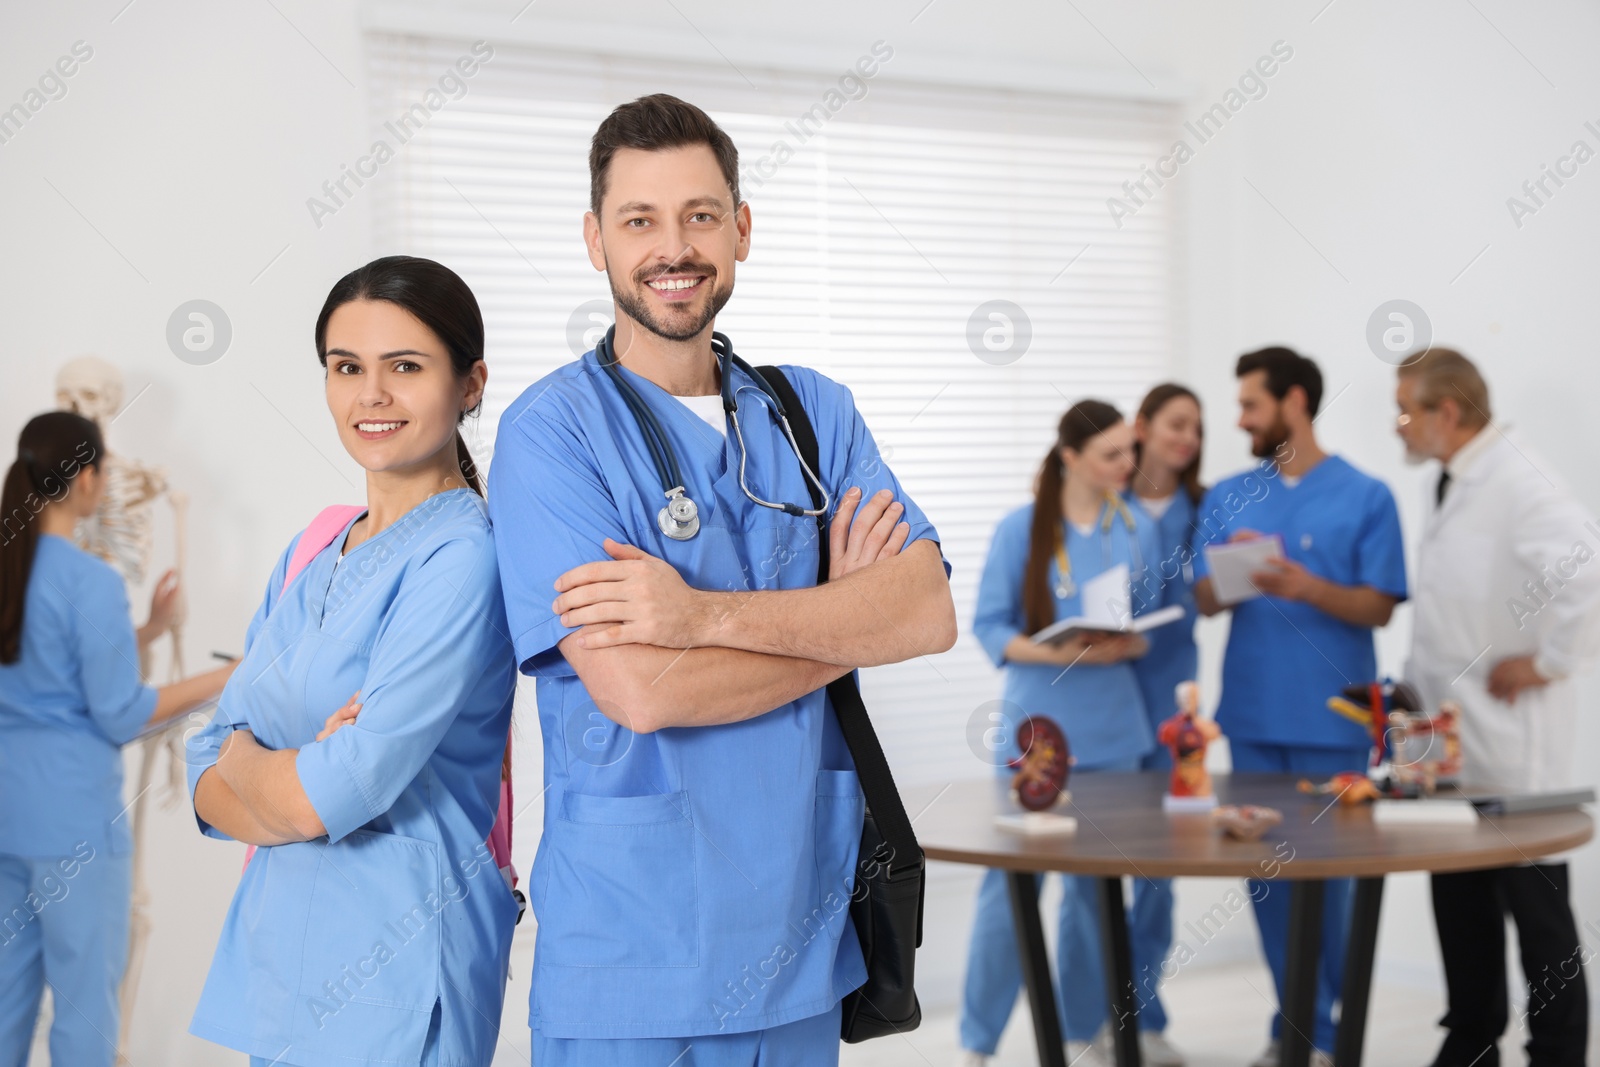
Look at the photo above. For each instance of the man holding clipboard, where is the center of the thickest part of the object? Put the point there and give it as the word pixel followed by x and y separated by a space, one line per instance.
pixel 1308 557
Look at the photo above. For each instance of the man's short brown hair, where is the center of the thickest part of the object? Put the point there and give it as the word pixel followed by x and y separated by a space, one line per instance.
pixel 653 123
pixel 1444 373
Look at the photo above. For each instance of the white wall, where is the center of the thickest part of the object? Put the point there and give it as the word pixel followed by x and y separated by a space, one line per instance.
pixel 178 164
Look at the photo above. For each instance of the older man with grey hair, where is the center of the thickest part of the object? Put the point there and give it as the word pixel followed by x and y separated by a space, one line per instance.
pixel 1505 608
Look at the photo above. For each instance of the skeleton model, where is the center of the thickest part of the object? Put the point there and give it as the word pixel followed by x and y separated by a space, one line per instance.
pixel 119 533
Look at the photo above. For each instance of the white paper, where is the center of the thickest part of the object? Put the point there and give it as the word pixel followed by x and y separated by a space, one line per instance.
pixel 1107 598
pixel 1424 813
pixel 1232 564
pixel 1037 823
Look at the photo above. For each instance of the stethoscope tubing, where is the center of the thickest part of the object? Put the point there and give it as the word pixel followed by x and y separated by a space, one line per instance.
pixel 1114 507
pixel 664 457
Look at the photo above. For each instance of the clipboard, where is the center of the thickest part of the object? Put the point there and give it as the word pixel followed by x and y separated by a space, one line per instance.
pixel 1232 564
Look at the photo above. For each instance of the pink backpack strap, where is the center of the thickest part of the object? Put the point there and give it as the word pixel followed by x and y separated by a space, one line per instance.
pixel 328 524
pixel 500 834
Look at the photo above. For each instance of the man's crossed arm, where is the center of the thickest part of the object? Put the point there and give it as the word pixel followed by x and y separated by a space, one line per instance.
pixel 654 652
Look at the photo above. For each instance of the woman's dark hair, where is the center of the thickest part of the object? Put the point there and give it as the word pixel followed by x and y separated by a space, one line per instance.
pixel 51 451
pixel 1084 421
pixel 439 299
pixel 1154 401
pixel 654 123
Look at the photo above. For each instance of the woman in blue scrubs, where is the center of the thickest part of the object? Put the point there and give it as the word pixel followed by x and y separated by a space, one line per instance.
pixel 1042 555
pixel 70 697
pixel 1164 492
pixel 373 927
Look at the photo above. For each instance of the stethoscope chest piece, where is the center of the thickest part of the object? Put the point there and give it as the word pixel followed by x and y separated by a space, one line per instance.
pixel 680 519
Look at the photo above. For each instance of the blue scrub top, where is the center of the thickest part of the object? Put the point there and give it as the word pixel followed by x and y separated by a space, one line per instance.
pixel 693 880
pixel 336 950
pixel 67 705
pixel 1286 658
pixel 1098 706
pixel 1169 579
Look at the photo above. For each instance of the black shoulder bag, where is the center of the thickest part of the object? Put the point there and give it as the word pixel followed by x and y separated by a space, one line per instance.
pixel 886 905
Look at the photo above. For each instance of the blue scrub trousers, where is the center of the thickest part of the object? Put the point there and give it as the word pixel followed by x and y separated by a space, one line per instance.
pixel 994 968
pixel 812 1042
pixel 1271 899
pixel 72 933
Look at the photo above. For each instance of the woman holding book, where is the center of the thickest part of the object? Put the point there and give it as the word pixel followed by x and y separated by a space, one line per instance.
pixel 1042 567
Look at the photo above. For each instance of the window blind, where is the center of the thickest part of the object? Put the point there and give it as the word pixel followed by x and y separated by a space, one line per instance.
pixel 892 218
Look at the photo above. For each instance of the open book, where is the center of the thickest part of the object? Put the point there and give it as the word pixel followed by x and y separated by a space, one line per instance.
pixel 1107 609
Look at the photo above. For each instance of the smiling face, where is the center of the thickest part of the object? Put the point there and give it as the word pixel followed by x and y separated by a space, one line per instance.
pixel 1261 415
pixel 1105 461
pixel 1170 438
pixel 391 388
pixel 668 235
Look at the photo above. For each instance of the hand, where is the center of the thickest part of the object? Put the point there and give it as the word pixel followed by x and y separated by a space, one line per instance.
pixel 633 599
pixel 164 604
pixel 1097 650
pixel 863 532
pixel 1106 649
pixel 1243 535
pixel 343 717
pixel 1511 676
pixel 1285 578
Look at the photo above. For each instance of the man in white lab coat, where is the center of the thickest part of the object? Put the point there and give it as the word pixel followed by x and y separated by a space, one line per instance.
pixel 1505 603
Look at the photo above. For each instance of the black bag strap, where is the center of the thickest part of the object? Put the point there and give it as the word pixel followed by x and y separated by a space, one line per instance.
pixel 872 767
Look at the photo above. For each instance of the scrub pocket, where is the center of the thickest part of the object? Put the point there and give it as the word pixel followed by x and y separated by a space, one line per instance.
pixel 840 809
pixel 372 951
pixel 622 890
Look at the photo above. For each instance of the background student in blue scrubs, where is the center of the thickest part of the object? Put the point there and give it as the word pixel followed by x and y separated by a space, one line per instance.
pixel 1165 492
pixel 702 813
pixel 374 928
pixel 70 696
pixel 1078 517
pixel 1310 634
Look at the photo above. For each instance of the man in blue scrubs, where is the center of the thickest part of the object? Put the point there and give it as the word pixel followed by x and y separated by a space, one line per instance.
pixel 1310 632
pixel 702 813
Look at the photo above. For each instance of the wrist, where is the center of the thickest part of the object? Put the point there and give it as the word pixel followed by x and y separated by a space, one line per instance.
pixel 711 616
pixel 1315 592
pixel 1545 670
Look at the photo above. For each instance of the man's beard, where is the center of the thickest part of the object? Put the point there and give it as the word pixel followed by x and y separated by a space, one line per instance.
pixel 639 310
pixel 1271 441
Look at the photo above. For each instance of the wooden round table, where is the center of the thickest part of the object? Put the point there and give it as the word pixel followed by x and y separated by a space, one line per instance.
pixel 1123 831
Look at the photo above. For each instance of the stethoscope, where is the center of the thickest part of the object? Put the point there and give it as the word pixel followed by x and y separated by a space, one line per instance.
pixel 680 518
pixel 1114 507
